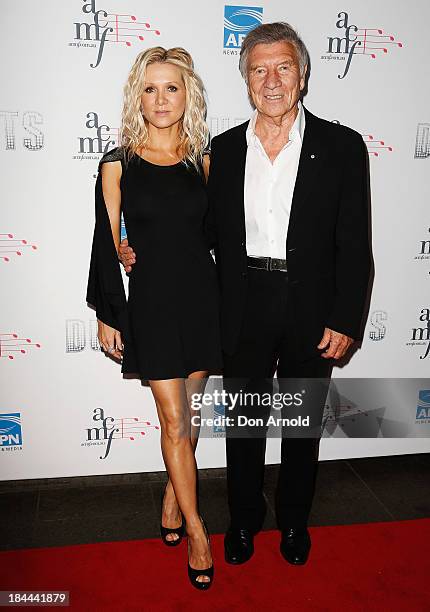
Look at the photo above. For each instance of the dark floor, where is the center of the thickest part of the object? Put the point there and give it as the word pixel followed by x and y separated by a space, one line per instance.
pixel 61 511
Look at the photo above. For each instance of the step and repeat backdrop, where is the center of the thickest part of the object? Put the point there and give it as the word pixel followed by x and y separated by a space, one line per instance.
pixel 65 408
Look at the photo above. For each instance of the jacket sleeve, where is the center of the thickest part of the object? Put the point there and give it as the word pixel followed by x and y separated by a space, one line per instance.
pixel 353 256
pixel 105 289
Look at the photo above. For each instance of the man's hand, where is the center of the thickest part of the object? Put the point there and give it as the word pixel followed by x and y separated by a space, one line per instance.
pixel 126 255
pixel 110 340
pixel 337 344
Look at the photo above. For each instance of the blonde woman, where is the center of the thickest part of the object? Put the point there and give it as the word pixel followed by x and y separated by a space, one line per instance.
pixel 168 330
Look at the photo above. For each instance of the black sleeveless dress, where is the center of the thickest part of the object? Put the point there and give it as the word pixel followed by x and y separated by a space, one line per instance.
pixel 170 322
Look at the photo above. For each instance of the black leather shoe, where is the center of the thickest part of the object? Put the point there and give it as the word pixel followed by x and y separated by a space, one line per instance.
pixel 238 546
pixel 295 545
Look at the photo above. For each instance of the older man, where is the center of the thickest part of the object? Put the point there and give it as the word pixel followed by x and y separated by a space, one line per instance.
pixel 289 210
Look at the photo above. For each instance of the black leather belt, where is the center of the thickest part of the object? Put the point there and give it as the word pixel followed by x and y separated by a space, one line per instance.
pixel 267 263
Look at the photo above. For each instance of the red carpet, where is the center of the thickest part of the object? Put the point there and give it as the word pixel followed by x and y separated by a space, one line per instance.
pixel 363 568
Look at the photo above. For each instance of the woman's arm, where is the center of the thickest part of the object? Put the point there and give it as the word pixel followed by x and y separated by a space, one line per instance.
pixel 110 338
pixel 206 165
pixel 111 177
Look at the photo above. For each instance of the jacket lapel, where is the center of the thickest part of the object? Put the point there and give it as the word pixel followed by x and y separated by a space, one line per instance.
pixel 311 162
pixel 240 151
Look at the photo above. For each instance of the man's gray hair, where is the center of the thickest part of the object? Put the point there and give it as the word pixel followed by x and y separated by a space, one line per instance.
pixel 267 34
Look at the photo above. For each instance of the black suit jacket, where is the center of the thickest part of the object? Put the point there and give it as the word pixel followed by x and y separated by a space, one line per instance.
pixel 327 246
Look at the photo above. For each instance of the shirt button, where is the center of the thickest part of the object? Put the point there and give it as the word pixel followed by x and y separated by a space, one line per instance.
pixel 270 210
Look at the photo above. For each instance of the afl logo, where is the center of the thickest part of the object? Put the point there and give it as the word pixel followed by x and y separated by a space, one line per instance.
pixel 238 21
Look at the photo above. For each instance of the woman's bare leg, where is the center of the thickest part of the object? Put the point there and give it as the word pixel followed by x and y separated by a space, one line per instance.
pixel 178 453
pixel 170 512
pixel 195 383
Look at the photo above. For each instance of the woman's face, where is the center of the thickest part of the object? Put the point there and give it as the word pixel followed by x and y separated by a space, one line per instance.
pixel 163 98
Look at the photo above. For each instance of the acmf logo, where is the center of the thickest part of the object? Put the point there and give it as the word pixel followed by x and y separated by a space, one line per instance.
pixel 355 41
pixel 103 137
pixel 115 28
pixel 238 21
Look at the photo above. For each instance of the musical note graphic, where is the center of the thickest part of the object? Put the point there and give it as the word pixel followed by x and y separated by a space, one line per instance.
pixel 112 133
pixel 375 146
pixel 131 428
pixel 122 30
pixel 369 37
pixel 12 343
pixel 9 244
pixel 342 411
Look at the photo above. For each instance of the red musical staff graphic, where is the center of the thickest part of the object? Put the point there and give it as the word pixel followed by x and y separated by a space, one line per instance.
pixel 11 245
pixel 371 39
pixel 111 133
pixel 11 343
pixel 131 428
pixel 127 27
pixel 375 146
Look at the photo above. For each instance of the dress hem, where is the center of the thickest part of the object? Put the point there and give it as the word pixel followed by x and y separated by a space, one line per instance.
pixel 184 374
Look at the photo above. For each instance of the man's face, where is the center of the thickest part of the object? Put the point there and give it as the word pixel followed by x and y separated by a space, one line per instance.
pixel 274 79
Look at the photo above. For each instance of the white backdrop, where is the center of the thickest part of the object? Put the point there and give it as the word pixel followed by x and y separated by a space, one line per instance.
pixel 60 109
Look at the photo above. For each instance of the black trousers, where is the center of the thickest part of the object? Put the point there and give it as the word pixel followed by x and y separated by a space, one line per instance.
pixel 266 345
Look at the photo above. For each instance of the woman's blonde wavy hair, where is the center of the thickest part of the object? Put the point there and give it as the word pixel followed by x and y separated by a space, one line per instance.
pixel 193 131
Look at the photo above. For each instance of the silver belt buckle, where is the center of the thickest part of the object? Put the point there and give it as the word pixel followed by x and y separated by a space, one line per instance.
pixel 274 267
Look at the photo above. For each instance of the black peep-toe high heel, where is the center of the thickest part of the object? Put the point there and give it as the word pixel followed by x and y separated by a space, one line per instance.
pixel 193 574
pixel 165 531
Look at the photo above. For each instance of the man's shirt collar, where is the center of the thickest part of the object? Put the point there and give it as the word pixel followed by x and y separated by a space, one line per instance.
pixel 296 132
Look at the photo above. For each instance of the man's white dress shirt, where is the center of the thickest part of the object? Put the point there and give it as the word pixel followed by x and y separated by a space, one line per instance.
pixel 269 190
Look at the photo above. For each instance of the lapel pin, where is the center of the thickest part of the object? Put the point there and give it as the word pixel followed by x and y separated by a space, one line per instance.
pixel 312 156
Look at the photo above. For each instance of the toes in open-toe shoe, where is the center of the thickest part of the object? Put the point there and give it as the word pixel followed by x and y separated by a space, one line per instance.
pixel 194 574
pixel 165 531
pixel 179 531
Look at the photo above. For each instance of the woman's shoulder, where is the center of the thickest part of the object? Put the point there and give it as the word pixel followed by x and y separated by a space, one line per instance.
pixel 116 154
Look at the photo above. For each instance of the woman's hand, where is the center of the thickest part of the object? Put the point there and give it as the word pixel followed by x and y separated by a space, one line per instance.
pixel 126 255
pixel 110 340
